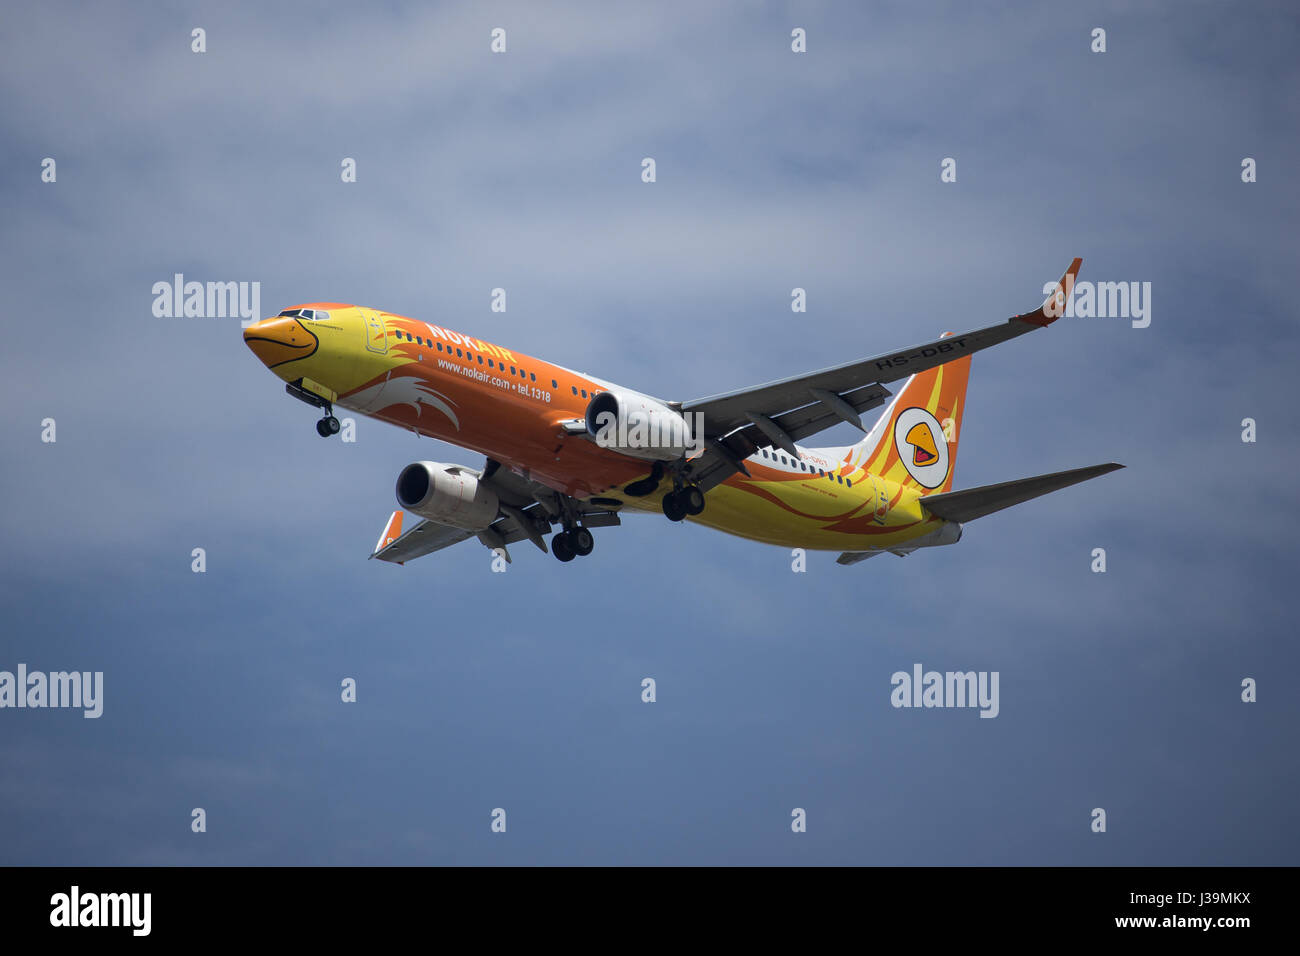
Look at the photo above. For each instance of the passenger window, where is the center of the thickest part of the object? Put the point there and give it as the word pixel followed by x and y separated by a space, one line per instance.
pixel 418 340
pixel 849 482
pixel 480 360
pixel 584 393
pixel 840 479
pixel 575 389
pixel 512 370
pixel 459 354
pixel 439 346
pixel 490 365
pixel 532 376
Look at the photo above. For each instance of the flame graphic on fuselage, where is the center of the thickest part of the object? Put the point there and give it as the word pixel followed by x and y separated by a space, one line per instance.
pixel 401 390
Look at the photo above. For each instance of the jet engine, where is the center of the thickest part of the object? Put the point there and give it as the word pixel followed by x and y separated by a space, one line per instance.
pixel 637 425
pixel 448 494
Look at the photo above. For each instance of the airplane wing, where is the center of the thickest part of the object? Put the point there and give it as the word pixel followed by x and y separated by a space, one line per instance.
pixel 780 413
pixel 419 540
pixel 528 510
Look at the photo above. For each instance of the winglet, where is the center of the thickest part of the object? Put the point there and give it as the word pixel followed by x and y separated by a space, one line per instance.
pixel 1054 306
pixel 392 531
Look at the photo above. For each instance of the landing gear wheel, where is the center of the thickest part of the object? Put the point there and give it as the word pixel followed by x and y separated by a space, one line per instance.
pixel 561 547
pixel 581 541
pixel 692 499
pixel 674 506
pixel 323 428
pixel 333 424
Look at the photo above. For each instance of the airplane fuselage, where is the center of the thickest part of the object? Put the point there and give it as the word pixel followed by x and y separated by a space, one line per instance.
pixel 520 410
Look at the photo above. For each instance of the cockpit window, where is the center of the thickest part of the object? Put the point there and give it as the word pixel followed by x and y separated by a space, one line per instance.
pixel 311 315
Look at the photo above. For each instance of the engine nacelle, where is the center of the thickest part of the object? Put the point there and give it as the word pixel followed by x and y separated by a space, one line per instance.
pixel 637 425
pixel 448 494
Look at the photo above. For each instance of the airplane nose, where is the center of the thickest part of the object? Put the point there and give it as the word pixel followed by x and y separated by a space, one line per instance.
pixel 279 340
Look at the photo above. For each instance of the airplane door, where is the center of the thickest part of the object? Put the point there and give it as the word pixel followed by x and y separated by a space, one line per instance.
pixel 376 334
pixel 880 500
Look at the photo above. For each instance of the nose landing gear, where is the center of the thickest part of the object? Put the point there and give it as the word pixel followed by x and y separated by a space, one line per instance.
pixel 327 426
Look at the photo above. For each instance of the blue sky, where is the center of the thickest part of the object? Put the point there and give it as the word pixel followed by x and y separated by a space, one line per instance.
pixel 522 690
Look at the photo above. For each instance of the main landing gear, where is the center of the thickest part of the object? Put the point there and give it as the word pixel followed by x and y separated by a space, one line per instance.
pixel 572 542
pixel 683 501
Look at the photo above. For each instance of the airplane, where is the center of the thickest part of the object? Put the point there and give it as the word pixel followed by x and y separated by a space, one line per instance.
pixel 571 451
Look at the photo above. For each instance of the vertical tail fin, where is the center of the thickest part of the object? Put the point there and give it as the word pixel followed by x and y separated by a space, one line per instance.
pixel 914 443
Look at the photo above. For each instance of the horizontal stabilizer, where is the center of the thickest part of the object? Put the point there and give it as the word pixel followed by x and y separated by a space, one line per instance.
pixel 975 503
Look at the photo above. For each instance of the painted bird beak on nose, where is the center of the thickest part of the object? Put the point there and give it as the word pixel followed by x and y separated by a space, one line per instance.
pixel 279 340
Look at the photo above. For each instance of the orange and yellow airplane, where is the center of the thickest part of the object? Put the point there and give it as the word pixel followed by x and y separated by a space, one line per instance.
pixel 571 450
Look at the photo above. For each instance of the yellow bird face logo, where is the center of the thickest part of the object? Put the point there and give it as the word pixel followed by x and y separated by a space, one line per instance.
pixel 924 449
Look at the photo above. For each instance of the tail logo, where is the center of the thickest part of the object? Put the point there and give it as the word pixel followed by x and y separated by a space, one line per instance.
pixel 918 437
